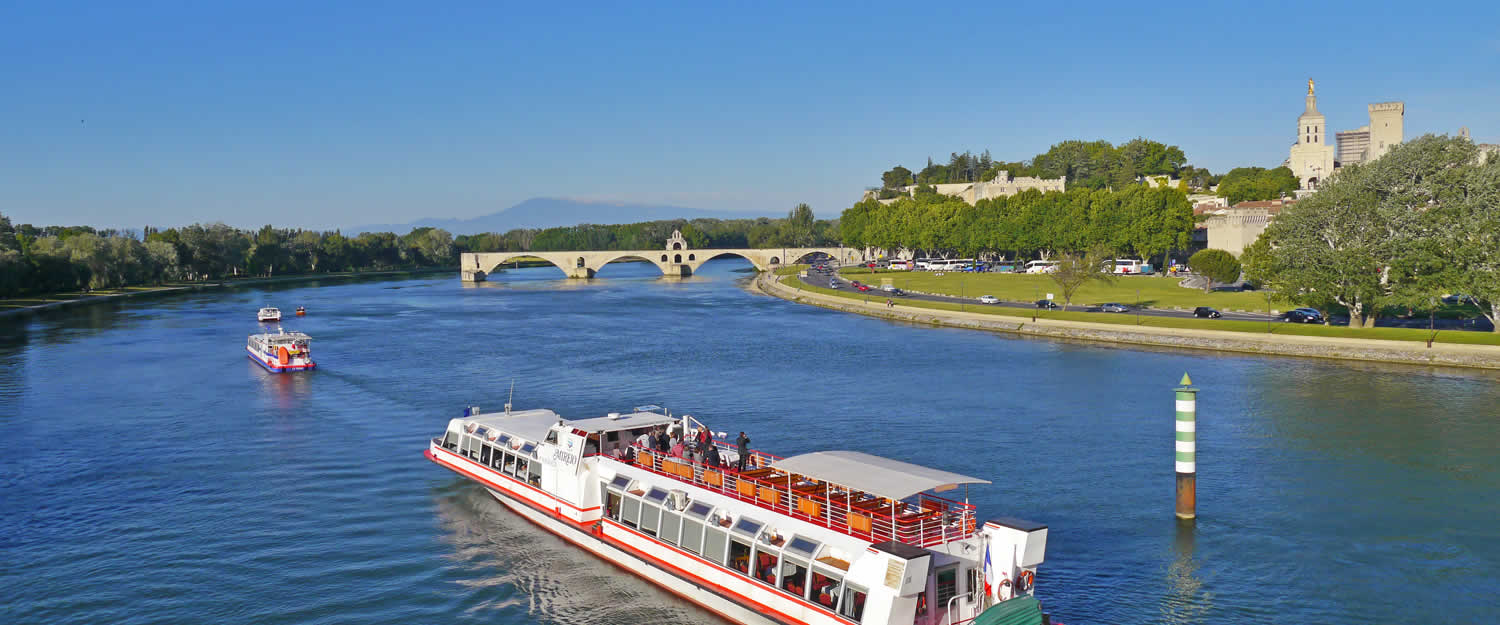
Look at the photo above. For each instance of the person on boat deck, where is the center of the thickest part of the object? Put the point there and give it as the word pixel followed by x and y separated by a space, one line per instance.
pixel 744 448
pixel 663 444
pixel 699 453
pixel 702 436
pixel 711 457
pixel 644 440
pixel 677 449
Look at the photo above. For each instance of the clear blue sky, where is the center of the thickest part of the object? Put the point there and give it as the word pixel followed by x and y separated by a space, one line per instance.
pixel 165 113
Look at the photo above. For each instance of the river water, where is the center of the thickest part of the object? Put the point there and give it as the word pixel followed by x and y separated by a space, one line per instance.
pixel 149 473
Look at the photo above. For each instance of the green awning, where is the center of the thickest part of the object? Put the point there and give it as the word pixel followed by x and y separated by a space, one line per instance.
pixel 1023 610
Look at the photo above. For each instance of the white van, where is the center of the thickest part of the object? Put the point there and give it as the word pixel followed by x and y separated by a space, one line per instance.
pixel 901 265
pixel 1041 266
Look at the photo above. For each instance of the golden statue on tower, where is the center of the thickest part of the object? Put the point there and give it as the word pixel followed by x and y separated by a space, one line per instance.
pixel 1309 86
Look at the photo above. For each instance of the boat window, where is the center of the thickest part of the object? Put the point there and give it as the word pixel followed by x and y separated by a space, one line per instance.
pixel 522 465
pixel 611 437
pixel 802 546
pixel 510 464
pixel 825 589
pixel 497 459
pixel 484 455
pixel 534 474
pixel 853 604
pixel 650 518
pixel 630 512
pixel 739 556
pixel 794 576
pixel 748 527
pixel 671 524
pixel 552 436
pixel 620 482
pixel 448 441
pixel 947 584
pixel 972 578
pixel 656 495
pixel 612 505
pixel 699 510
pixel 692 536
pixel 714 540
pixel 765 566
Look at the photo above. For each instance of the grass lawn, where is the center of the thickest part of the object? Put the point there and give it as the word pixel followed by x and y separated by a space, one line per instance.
pixel 1155 291
pixel 1126 319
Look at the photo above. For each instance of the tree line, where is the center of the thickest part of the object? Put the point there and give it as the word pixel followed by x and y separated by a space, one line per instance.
pixel 53 259
pixel 1391 236
pixel 1098 165
pixel 1136 220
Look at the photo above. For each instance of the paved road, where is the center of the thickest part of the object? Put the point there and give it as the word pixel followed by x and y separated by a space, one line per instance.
pixel 823 278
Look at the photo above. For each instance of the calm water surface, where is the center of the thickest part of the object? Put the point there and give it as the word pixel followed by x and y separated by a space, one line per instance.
pixel 149 473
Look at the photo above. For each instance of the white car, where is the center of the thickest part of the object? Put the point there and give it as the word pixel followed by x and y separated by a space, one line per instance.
pixel 988 299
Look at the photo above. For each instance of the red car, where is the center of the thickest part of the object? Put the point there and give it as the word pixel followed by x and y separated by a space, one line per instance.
pixel 863 287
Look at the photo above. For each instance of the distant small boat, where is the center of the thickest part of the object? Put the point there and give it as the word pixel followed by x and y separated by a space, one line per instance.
pixel 281 352
pixel 301 312
pixel 268 314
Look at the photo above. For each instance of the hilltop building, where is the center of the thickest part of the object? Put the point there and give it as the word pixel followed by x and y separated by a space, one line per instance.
pixel 1003 185
pixel 1313 160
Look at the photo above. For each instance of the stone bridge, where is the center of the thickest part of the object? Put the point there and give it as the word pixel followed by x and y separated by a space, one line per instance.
pixel 675 260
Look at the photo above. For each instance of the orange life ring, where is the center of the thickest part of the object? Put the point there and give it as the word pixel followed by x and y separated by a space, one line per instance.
pixel 283 355
pixel 1024 580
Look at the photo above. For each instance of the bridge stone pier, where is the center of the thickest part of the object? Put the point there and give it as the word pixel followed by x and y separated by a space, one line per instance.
pixel 676 259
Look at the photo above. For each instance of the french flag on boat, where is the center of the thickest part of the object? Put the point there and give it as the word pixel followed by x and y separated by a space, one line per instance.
pixel 995 580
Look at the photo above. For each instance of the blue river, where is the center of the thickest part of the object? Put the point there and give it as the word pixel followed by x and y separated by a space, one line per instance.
pixel 150 473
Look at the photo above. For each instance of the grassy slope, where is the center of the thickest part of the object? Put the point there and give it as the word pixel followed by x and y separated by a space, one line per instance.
pixel 1388 334
pixel 1155 292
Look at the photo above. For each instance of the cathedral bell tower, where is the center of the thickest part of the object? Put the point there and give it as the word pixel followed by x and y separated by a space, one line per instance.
pixel 1311 158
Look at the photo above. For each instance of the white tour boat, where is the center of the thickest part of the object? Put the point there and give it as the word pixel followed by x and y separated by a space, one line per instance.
pixel 268 314
pixel 282 351
pixel 832 537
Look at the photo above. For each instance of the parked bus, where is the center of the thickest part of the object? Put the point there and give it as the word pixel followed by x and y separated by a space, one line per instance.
pixel 1131 266
pixel 1041 266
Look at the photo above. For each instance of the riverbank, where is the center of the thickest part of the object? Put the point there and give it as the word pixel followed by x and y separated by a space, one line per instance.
pixel 1368 350
pixel 9 308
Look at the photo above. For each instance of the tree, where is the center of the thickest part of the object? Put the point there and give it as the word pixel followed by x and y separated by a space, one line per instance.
pixel 1075 270
pixel 1469 231
pixel 1366 239
pixel 1243 184
pixel 1216 265
pixel 896 178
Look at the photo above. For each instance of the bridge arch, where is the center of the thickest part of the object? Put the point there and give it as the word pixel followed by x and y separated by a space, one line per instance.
pixel 694 263
pixel 603 260
pixel 488 263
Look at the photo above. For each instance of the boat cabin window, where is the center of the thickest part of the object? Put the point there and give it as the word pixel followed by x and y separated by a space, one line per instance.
pixel 610 437
pixel 853 605
pixel 794 576
pixel 692 536
pixel 497 459
pixel 552 437
pixel 765 566
pixel 671 524
pixel 630 512
pixel 484 455
pixel 510 464
pixel 612 504
pixel 522 465
pixel 972 577
pixel 739 556
pixel 534 474
pixel 826 589
pixel 650 517
pixel 947 584
pixel 714 540
pixel 748 527
pixel 450 441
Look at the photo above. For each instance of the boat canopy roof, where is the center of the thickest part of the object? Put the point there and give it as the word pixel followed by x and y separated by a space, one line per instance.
pixel 533 424
pixel 872 474
pixel 281 337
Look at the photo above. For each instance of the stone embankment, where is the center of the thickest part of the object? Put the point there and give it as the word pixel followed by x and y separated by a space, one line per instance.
pixel 1405 352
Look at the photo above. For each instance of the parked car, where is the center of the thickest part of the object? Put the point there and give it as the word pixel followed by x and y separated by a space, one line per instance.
pixel 1047 304
pixel 1302 315
pixel 855 284
pixel 862 287
pixel 1206 313
pixel 988 299
pixel 897 292
pixel 1113 307
pixel 833 284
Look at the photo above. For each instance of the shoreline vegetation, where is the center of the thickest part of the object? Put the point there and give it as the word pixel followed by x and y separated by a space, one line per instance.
pixel 1479 350
pixel 22 306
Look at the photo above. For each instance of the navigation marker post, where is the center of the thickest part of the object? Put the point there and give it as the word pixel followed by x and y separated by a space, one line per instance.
pixel 1187 451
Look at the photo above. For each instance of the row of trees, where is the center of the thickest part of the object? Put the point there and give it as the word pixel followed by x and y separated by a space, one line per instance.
pixel 1395 234
pixel 1087 164
pixel 1137 220
pixel 1243 184
pixel 53 259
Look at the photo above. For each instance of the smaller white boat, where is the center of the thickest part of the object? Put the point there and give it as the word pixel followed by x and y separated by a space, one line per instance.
pixel 268 314
pixel 281 352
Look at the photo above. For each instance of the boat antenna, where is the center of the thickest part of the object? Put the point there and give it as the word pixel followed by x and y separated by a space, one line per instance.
pixel 512 396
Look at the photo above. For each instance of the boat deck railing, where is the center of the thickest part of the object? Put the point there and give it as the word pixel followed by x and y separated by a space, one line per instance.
pixel 921 520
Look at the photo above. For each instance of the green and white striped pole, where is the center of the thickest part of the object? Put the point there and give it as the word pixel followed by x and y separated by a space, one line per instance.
pixel 1187 449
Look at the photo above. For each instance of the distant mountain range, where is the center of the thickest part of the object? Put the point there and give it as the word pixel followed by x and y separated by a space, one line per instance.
pixel 548 212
